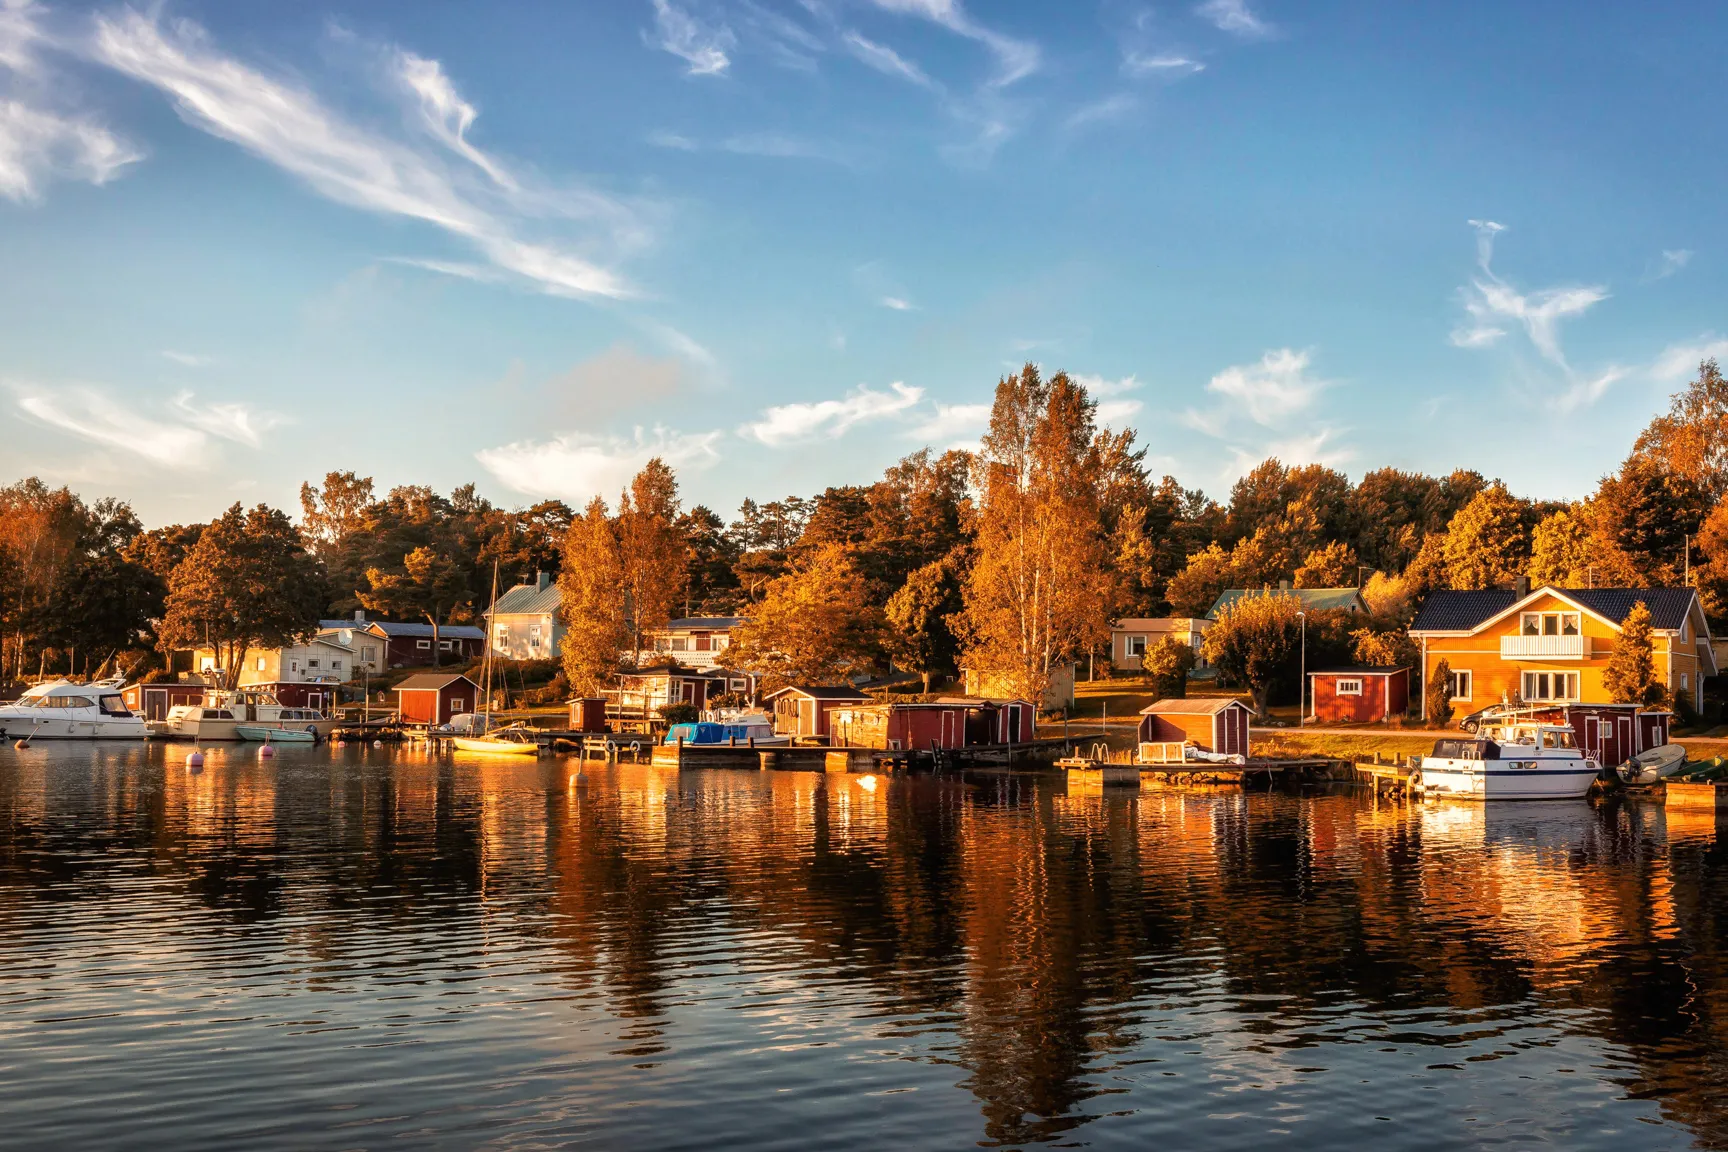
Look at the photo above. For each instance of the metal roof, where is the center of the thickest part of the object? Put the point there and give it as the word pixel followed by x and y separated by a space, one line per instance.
pixel 445 631
pixel 528 600
pixel 430 681
pixel 1449 611
pixel 821 693
pixel 1206 706
pixel 1313 599
pixel 696 622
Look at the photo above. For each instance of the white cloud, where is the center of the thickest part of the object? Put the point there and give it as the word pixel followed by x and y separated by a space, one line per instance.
pixel 1673 259
pixel 186 359
pixel 1586 391
pixel 1114 412
pixel 1168 64
pixel 1490 301
pixel 661 138
pixel 288 126
pixel 1109 108
pixel 578 466
pixel 229 421
pixel 1678 363
pixel 783 147
pixel 1098 386
pixel 181 444
pixel 885 60
pixel 1316 447
pixel 1268 392
pixel 1233 16
pixel 953 425
pixel 702 48
pixel 830 419
pixel 897 303
pixel 1015 59
pixel 39 142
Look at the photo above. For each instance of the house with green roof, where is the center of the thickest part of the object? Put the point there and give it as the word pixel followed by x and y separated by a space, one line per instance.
pixel 1313 599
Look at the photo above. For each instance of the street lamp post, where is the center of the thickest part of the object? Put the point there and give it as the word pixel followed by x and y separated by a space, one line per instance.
pixel 1302 683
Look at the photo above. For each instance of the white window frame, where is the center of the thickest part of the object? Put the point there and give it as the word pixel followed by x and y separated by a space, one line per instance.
pixel 1136 648
pixel 260 663
pixel 1350 687
pixel 1563 686
pixel 1466 679
pixel 458 704
pixel 423 644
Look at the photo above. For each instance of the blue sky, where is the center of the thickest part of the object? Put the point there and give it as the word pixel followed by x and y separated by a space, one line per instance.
pixel 783 242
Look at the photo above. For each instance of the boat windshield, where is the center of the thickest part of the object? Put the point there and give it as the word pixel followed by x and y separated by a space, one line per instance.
pixel 1558 738
pixel 115 706
pixel 66 702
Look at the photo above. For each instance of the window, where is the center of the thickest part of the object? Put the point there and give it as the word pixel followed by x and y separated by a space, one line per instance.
pixel 260 663
pixel 1685 682
pixel 1462 683
pixel 534 637
pixel 446 645
pixel 369 654
pixel 1550 624
pixel 457 703
pixel 680 644
pixel 1550 686
pixel 1349 687
pixel 311 663
pixel 426 644
pixel 1136 646
pixel 336 664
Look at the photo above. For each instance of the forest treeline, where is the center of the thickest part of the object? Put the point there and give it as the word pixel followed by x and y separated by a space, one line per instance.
pixel 1012 558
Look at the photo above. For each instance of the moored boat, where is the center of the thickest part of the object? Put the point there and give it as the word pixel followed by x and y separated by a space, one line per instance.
pixel 196 722
pixel 512 741
pixel 1510 762
pixel 276 734
pixel 63 710
pixel 750 730
pixel 1653 764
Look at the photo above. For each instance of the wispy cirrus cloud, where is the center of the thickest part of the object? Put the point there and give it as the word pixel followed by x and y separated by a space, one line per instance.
pixel 1015 59
pixel 704 49
pixel 885 60
pixel 1166 64
pixel 1263 407
pixel 1670 262
pixel 578 466
pixel 1677 363
pixel 40 139
pixel 1491 303
pixel 180 442
pixel 1115 404
pixel 287 125
pixel 186 359
pixel 829 419
pixel 897 303
pixel 1233 16
pixel 953 425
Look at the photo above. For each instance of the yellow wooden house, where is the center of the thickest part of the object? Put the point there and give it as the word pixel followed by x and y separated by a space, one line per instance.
pixel 1553 644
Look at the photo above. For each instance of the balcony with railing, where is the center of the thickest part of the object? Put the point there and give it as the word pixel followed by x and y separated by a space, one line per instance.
pixel 1543 648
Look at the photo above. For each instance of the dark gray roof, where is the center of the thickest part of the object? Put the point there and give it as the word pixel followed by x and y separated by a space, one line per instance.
pixel 1449 611
pixel 528 600
pixel 706 622
pixel 1313 599
pixel 821 693
pixel 445 631
pixel 430 681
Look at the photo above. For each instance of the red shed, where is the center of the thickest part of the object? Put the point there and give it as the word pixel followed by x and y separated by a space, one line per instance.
pixel 805 711
pixel 1358 695
pixel 319 694
pixel 1217 724
pixel 951 722
pixel 1612 733
pixel 434 697
pixel 152 701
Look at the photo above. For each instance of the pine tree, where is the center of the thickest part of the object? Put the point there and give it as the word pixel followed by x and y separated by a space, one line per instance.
pixel 919 636
pixel 1437 695
pixel 430 584
pixel 1630 676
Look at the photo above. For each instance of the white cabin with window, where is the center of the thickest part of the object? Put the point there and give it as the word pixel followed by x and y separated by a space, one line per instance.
pixel 694 641
pixel 317 661
pixel 527 623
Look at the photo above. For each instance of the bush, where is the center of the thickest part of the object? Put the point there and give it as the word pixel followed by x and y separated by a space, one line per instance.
pixel 681 713
pixel 1167 665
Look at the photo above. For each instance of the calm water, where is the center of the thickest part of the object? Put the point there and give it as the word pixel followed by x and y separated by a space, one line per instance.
pixel 371 948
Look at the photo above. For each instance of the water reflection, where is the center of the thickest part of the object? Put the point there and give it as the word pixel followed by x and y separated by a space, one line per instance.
pixel 453 950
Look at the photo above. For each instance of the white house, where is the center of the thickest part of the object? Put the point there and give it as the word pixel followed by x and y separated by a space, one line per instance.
pixel 695 641
pixel 526 623
pixel 1132 638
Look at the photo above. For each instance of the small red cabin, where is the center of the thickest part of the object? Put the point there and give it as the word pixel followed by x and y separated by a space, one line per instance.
pixel 951 722
pixel 1612 733
pixel 1216 724
pixel 805 711
pixel 434 697
pixel 1358 695
pixel 152 701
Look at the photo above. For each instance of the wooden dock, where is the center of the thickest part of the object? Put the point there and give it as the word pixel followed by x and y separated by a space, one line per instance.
pixel 1398 779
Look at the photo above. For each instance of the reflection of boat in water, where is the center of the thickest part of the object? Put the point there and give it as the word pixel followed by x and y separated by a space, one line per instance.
pixel 1653 764
pixel 515 740
pixel 62 710
pixel 1521 761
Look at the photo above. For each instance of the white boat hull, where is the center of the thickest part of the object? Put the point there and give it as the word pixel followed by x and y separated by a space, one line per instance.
pixel 1488 780
pixel 115 728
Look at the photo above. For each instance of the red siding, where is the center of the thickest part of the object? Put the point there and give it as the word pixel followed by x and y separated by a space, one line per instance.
pixel 1224 731
pixel 428 706
pixel 1383 695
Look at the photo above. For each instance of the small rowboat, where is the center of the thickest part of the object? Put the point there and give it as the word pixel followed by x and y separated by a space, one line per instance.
pixel 1653 764
pixel 270 734
pixel 504 742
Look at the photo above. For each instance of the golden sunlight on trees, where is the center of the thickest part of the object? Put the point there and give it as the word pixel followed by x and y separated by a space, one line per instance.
pixel 591 584
pixel 429 585
pixel 814 625
pixel 653 552
pixel 1691 440
pixel 1039 592
pixel 1256 641
pixel 1631 673
pixel 1486 544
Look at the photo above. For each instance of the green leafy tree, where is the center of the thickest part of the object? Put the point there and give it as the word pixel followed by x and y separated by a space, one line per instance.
pixel 1487 544
pixel 1630 676
pixel 1437 695
pixel 591 583
pixel 429 585
pixel 918 635
pixel 1167 664
pixel 1256 641
pixel 247 583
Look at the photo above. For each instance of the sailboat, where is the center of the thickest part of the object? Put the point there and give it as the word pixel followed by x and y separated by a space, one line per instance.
pixel 517 739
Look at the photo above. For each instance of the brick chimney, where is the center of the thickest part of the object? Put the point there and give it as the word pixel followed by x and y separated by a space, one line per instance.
pixel 1521 587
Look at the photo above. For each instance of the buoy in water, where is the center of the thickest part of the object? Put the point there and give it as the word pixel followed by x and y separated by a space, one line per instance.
pixel 266 753
pixel 196 760
pixel 23 742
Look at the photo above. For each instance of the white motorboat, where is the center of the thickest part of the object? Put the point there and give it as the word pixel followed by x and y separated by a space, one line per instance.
pixel 1510 761
pixel 196 722
pixel 62 710
pixel 1653 764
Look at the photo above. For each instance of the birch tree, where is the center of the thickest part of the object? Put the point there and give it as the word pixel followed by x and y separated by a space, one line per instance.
pixel 1038 592
pixel 591 583
pixel 653 552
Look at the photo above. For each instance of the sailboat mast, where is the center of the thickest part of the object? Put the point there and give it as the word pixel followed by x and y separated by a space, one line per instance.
pixel 491 639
